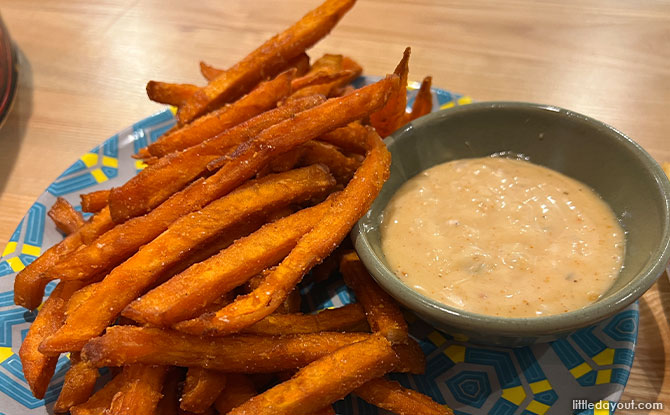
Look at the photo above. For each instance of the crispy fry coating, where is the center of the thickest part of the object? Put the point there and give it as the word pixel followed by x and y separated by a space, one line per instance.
pixel 240 388
pixel 201 388
pixel 383 313
pixel 141 392
pixel 392 116
pixel 167 93
pixel 350 317
pixel 122 241
pixel 347 208
pixel 185 295
pixel 67 219
pixel 423 103
pixel 94 201
pixel 78 385
pixel 350 138
pixel 37 367
pixel 300 62
pixel 326 380
pixel 393 397
pixel 29 284
pixel 209 72
pixel 135 276
pixel 265 59
pixel 171 173
pixel 412 359
pixel 101 399
pixel 347 71
pixel 262 98
pixel 240 353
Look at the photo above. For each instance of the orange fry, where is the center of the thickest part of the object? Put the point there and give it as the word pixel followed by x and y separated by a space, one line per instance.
pixel 348 207
pixel 171 173
pixel 116 245
pixel 29 284
pixel 349 71
pixel 383 313
pixel 300 62
pixel 262 98
pixel 393 397
pixel 201 388
pixel 37 367
pixel 350 138
pixel 210 72
pixel 392 115
pixel 239 389
pixel 325 381
pixel 67 219
pixel 423 102
pixel 78 385
pixel 240 353
pixel 132 278
pixel 185 295
pixel 351 317
pixel 101 399
pixel 167 93
pixel 94 201
pixel 412 359
pixel 141 392
pixel 266 59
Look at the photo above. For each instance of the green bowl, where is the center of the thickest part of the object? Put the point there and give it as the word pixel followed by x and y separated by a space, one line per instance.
pixel 627 178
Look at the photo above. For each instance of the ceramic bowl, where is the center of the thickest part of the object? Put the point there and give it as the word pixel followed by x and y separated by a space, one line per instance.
pixel 617 168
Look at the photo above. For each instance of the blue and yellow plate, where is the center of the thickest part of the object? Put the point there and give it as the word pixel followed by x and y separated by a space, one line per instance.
pixel 592 364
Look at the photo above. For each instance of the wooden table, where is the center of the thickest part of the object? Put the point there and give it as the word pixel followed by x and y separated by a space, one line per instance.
pixel 85 65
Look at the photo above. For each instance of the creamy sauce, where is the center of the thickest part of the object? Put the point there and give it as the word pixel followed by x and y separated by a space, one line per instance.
pixel 502 237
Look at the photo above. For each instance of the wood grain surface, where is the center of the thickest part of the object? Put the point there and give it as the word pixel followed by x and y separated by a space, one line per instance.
pixel 84 66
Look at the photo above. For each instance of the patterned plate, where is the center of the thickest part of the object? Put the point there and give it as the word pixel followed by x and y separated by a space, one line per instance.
pixel 591 364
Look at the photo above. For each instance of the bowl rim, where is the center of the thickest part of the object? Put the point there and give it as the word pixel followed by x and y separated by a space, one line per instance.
pixel 523 326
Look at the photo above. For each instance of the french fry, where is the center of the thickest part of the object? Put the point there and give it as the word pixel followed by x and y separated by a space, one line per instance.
pixel 94 201
pixel 141 392
pixel 350 317
pixel 171 173
pixel 78 385
pixel 300 62
pixel 341 166
pixel 265 59
pixel 347 72
pixel 67 219
pixel 185 295
pixel 262 98
pixel 29 284
pixel 423 102
pixel 37 367
pixel 122 241
pixel 383 313
pixel 240 353
pixel 326 380
pixel 239 389
pixel 100 401
pixel 350 138
pixel 201 388
pixel 393 397
pixel 291 304
pixel 348 207
pixel 135 276
pixel 412 359
pixel 392 115
pixel 167 93
pixel 209 72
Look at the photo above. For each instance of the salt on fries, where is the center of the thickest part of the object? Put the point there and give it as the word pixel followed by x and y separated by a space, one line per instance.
pixel 184 282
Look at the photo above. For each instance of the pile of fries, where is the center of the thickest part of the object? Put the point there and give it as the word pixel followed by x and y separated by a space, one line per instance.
pixel 183 282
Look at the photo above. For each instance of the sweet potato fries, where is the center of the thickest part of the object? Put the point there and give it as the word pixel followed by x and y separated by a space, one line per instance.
pixel 186 281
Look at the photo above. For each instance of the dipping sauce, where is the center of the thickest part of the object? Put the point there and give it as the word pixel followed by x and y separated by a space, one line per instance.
pixel 502 237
